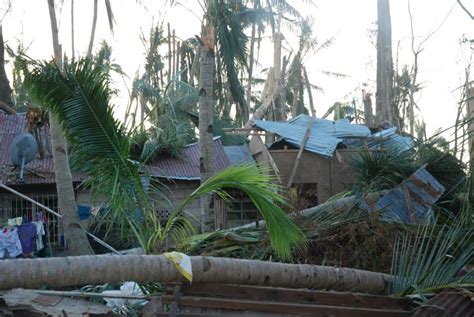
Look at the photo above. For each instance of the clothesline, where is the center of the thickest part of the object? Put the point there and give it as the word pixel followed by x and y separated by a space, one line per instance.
pixel 22 237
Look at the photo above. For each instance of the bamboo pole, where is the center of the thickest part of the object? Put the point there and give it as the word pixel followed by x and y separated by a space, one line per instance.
pixel 100 269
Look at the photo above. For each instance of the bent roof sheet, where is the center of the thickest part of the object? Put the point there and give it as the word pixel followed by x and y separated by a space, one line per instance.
pixel 239 154
pixel 340 128
pixel 325 134
pixel 390 138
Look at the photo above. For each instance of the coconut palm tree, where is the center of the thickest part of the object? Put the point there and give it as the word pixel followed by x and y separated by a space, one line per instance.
pixel 79 96
pixel 76 237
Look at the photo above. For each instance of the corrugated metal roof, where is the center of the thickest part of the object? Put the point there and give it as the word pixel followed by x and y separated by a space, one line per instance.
pixel 448 303
pixel 10 126
pixel 390 138
pixel 411 201
pixel 340 128
pixel 186 165
pixel 318 142
pixel 325 134
pixel 238 154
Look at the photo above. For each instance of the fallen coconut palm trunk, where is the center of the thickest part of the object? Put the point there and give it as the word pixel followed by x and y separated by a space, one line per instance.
pixel 338 205
pixel 100 269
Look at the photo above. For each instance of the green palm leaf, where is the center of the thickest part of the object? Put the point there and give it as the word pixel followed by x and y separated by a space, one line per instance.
pixel 432 258
pixel 252 180
pixel 79 97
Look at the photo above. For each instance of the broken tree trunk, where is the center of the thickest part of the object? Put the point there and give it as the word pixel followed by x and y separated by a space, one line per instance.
pixel 310 94
pixel 206 96
pixel 383 98
pixel 100 269
pixel 270 90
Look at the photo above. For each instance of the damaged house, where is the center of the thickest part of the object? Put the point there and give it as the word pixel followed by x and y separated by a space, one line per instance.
pixel 312 156
pixel 180 176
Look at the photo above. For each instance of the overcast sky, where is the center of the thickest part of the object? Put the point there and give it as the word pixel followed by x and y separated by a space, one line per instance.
pixel 352 53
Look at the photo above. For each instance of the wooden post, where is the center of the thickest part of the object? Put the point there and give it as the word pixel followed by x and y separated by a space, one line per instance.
pixel 300 152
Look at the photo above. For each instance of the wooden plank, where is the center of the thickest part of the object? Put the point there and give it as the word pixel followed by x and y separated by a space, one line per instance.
pixel 282 307
pixel 295 295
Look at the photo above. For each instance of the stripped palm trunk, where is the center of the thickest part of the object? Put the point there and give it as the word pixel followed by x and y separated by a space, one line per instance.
pixel 77 242
pixel 100 269
pixel 383 102
pixel 94 24
pixel 206 145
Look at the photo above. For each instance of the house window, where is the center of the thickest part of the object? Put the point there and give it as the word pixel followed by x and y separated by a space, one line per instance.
pixel 12 206
pixel 241 210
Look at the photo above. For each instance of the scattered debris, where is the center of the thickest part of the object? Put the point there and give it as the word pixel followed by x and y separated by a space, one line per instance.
pixel 411 201
pixel 34 304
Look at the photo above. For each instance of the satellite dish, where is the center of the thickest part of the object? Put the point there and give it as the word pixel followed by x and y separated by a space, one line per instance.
pixel 23 150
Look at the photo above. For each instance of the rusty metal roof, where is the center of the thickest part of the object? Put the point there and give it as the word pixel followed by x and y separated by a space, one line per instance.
pixel 186 165
pixel 411 201
pixel 10 126
pixel 448 303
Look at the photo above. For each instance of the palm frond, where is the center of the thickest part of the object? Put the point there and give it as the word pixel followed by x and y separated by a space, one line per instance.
pixel 380 169
pixel 79 96
pixel 433 257
pixel 232 49
pixel 253 181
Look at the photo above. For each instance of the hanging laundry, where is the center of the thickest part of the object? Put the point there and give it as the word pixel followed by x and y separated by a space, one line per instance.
pixel 39 235
pixel 15 221
pixel 40 216
pixel 27 234
pixel 10 241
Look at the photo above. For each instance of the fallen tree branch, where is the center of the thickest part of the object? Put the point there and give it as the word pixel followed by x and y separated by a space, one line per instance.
pixel 100 269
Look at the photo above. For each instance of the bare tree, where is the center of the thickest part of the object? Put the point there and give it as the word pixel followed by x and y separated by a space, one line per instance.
pixel 416 50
